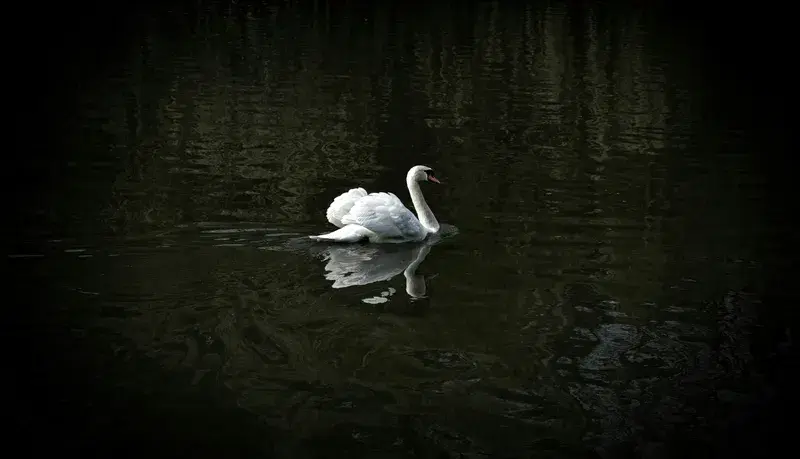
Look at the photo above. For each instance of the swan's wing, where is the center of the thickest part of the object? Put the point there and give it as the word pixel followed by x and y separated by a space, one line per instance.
pixel 384 214
pixel 342 205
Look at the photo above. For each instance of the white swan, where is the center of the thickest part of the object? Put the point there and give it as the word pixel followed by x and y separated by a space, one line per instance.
pixel 382 217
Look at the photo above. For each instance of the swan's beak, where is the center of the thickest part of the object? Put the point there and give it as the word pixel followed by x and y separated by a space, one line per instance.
pixel 434 179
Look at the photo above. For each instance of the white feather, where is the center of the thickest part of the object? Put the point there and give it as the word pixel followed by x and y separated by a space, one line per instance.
pixel 342 205
pixel 385 214
pixel 348 233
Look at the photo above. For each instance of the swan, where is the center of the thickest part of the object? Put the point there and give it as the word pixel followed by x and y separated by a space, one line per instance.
pixel 382 217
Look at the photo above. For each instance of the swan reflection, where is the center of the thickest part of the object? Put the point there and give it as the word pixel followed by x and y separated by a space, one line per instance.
pixel 353 265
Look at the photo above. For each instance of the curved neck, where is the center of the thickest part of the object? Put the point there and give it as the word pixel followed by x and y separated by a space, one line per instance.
pixel 424 212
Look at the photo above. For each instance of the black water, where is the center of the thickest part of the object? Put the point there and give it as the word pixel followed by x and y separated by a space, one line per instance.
pixel 595 292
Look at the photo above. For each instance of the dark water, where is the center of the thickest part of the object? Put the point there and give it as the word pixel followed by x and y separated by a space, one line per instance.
pixel 594 291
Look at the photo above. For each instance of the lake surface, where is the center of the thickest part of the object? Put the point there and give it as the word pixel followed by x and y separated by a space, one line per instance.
pixel 593 291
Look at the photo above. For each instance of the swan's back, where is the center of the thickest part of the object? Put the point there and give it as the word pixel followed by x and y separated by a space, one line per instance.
pixel 342 204
pixel 385 214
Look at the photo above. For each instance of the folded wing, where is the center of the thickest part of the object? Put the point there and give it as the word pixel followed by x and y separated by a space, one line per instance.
pixel 384 214
pixel 342 205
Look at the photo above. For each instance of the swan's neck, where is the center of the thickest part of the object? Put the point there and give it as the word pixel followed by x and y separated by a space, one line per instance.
pixel 424 212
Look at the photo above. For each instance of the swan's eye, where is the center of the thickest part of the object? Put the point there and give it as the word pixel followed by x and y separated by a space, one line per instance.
pixel 429 173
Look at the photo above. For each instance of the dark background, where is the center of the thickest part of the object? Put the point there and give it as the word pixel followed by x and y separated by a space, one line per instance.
pixel 57 53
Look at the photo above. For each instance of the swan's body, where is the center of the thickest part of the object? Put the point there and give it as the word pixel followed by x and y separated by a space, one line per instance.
pixel 382 217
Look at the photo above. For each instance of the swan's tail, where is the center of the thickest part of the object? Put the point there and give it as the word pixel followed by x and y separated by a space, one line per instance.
pixel 349 233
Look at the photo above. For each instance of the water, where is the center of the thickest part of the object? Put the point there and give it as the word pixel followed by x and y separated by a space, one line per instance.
pixel 593 292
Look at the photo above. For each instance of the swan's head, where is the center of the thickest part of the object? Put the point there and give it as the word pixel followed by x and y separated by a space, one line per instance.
pixel 421 174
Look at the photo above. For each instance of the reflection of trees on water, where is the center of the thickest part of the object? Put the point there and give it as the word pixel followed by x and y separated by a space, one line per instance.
pixel 261 113
pixel 556 132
